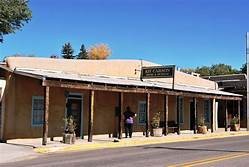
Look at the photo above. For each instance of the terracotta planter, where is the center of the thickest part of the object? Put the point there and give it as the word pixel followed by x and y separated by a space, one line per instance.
pixel 235 127
pixel 69 138
pixel 202 129
pixel 157 132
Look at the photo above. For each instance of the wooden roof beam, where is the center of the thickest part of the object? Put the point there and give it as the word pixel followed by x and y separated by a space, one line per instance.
pixel 92 86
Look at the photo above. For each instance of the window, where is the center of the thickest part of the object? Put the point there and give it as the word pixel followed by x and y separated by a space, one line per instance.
pixel 142 112
pixel 207 110
pixel 37 110
pixel 180 106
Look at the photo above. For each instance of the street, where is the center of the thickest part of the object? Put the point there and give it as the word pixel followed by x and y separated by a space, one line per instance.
pixel 231 151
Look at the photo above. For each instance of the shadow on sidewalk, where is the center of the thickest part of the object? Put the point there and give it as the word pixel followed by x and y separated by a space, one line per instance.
pixel 22 145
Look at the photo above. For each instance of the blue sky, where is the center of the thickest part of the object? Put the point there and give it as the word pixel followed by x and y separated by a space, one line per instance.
pixel 188 33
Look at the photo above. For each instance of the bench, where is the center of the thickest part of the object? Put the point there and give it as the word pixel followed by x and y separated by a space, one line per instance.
pixel 172 126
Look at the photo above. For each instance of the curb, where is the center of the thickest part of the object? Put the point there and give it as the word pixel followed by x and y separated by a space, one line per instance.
pixel 138 142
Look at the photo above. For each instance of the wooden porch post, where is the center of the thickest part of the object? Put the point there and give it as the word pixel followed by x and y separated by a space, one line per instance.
pixel 178 115
pixel 244 100
pixel 226 116
pixel 121 108
pixel 239 111
pixel 195 115
pixel 46 114
pixel 166 113
pixel 147 114
pixel 91 111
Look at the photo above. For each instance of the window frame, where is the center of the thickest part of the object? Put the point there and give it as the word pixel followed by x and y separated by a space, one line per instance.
pixel 139 105
pixel 181 112
pixel 209 110
pixel 32 111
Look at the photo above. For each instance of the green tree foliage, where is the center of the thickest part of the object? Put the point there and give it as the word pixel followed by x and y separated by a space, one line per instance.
pixel 243 69
pixel 83 53
pixel 13 15
pixel 222 69
pixel 216 69
pixel 53 56
pixel 203 71
pixel 67 51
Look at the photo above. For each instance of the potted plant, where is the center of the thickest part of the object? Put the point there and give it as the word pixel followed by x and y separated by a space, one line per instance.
pixel 234 124
pixel 202 128
pixel 155 123
pixel 69 136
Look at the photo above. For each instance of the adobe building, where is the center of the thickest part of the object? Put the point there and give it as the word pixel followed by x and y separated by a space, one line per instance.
pixel 37 93
pixel 234 83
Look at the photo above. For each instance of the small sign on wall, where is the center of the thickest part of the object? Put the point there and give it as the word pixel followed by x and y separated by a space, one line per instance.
pixel 158 72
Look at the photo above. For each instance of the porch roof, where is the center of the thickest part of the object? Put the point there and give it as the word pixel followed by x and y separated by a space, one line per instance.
pixel 122 81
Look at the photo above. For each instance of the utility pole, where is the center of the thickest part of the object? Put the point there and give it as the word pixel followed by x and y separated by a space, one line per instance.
pixel 247 82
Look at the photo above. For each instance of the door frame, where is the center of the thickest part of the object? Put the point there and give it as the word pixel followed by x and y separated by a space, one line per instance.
pixel 191 113
pixel 70 96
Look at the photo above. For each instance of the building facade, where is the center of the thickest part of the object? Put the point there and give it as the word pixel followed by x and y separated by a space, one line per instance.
pixel 234 83
pixel 38 93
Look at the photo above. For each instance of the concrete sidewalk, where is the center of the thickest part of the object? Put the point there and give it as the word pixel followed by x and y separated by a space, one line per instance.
pixel 100 143
pixel 12 152
pixel 28 148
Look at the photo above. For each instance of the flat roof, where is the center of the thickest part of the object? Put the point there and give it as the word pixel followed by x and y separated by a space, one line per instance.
pixel 122 81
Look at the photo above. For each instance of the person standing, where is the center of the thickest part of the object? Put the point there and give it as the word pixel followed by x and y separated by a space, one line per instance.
pixel 128 122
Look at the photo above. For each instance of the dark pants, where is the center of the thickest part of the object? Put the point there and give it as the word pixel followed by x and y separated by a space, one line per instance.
pixel 128 130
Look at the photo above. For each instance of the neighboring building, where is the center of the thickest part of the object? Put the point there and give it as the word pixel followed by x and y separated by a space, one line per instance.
pixel 234 83
pixel 37 93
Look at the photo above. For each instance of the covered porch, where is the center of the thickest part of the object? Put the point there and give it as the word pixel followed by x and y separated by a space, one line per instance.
pixel 168 101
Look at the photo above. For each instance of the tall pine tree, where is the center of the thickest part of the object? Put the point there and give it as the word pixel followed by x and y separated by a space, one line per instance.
pixel 13 15
pixel 83 53
pixel 67 51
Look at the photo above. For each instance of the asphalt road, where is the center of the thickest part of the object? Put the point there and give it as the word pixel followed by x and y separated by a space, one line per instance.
pixel 232 151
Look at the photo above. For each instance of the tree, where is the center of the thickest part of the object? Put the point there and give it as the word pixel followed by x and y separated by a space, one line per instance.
pixel 222 69
pixel 100 51
pixel 215 69
pixel 83 53
pixel 243 69
pixel 203 71
pixel 53 56
pixel 67 51
pixel 13 15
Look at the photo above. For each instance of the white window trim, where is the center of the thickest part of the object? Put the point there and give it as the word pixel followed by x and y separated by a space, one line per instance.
pixel 33 98
pixel 139 103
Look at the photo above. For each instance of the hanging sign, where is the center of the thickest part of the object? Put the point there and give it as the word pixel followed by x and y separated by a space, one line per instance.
pixel 158 72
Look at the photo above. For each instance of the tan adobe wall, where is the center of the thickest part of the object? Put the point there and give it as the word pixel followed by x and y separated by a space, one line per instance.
pixel 119 68
pixel 104 116
pixel 187 79
pixel 9 113
pixel 25 89
pixel 19 94
pixel 186 114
